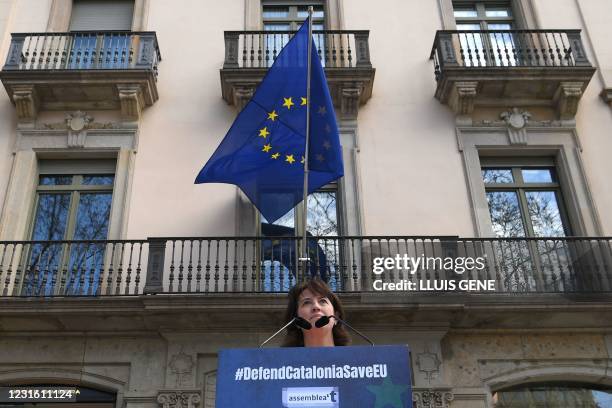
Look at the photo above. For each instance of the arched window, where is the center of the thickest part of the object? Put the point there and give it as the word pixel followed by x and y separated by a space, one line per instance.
pixel 554 395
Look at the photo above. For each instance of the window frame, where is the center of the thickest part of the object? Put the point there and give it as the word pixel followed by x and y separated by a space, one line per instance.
pixel 481 16
pixel 477 143
pixel 521 187
pixel 292 19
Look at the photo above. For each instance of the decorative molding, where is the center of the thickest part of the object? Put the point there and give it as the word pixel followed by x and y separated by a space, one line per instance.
pixel 179 399
pixel 181 365
pixel 463 96
pixel 77 124
pixel 567 97
pixel 350 95
pixel 517 121
pixel 432 398
pixel 26 103
pixel 243 94
pixel 132 101
pixel 428 363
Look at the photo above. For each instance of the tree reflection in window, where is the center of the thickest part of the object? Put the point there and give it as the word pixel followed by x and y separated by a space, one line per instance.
pixel 280 256
pixel 71 207
pixel 525 202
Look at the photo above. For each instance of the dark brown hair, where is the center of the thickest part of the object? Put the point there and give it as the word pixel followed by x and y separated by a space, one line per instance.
pixel 294 336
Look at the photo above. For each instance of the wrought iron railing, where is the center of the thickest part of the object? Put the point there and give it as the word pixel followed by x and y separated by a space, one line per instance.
pixel 259 49
pixel 84 50
pixel 267 264
pixel 507 48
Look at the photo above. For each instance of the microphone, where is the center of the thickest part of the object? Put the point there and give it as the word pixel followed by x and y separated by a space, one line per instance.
pixel 324 320
pixel 298 321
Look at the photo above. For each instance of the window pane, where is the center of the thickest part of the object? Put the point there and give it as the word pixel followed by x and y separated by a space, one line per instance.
pixel 497 12
pixel 106 180
pixel 544 213
pixel 497 176
pixel 49 225
pixel 275 12
pixel 277 27
pixel 537 175
pixel 322 214
pixel 51 217
pixel 55 180
pixel 465 12
pixel 553 396
pixel 466 27
pixel 86 259
pixel 92 216
pixel 499 26
pixel 316 13
pixel 505 214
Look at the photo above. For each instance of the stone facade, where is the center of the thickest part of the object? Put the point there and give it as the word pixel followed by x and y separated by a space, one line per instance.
pixel 412 164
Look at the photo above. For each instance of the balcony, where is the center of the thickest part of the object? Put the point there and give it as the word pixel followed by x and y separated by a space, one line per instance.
pixel 226 283
pixel 83 70
pixel 511 68
pixel 344 54
pixel 267 264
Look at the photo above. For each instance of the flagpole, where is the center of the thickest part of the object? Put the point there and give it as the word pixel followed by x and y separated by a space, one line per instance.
pixel 305 258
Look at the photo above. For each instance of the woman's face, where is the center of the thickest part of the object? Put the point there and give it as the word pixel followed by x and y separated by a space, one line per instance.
pixel 312 306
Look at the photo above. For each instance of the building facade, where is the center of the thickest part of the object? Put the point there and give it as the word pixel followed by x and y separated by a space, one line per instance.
pixel 470 129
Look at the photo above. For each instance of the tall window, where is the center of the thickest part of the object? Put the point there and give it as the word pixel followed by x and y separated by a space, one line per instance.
pixel 68 207
pixel 280 257
pixel 480 49
pixel 524 201
pixel 102 50
pixel 279 18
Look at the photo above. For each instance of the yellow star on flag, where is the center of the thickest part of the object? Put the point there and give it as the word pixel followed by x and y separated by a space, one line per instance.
pixel 303 101
pixel 290 159
pixel 288 103
pixel 303 160
pixel 264 132
pixel 275 155
pixel 272 115
pixel 322 110
pixel 267 148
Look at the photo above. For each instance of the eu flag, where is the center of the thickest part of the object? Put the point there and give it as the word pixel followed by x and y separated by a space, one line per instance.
pixel 263 152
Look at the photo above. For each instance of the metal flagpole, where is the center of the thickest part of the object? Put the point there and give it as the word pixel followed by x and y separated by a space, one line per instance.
pixel 304 259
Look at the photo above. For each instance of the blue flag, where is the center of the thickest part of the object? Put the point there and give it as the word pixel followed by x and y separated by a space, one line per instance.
pixel 263 152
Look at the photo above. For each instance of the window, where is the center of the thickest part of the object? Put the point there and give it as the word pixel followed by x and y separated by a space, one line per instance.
pixel 280 262
pixel 524 201
pixel 553 396
pixel 480 49
pixel 102 50
pixel 282 18
pixel 69 206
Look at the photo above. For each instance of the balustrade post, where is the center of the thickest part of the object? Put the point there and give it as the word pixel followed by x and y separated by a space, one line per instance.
pixel 578 52
pixel 231 49
pixel 445 49
pixel 14 57
pixel 362 49
pixel 146 51
pixel 155 266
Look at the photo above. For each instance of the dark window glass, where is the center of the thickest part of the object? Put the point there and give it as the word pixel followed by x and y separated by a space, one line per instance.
pixel 103 180
pixel 55 180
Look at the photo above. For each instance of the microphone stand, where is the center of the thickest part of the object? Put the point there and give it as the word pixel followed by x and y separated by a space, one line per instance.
pixel 297 320
pixel 322 322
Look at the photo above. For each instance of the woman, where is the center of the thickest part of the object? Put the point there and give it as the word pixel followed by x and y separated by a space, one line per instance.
pixel 312 300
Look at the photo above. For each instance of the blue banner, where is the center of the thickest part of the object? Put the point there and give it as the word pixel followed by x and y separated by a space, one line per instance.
pixel 322 377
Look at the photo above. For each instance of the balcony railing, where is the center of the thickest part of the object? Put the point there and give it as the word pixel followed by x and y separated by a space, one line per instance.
pixel 83 50
pixel 348 264
pixel 259 49
pixel 507 48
